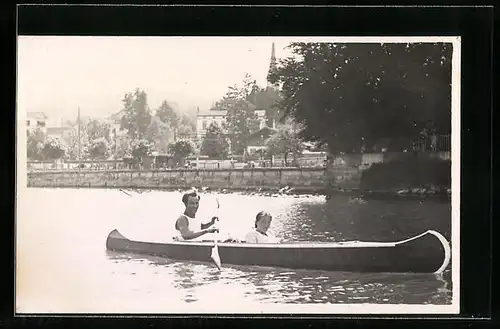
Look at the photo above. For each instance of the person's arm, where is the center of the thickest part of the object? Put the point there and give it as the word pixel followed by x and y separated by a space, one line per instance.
pixel 207 225
pixel 250 238
pixel 187 234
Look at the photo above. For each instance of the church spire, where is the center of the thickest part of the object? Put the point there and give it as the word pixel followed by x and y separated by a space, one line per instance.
pixel 272 66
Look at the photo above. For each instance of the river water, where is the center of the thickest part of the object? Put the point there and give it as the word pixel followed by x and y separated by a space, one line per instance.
pixel 62 265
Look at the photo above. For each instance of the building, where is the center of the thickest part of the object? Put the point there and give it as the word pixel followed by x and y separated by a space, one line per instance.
pixel 36 120
pixel 61 133
pixel 191 137
pixel 204 120
pixel 257 141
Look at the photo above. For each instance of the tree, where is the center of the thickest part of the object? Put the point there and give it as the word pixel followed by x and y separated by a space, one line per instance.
pixel 52 150
pixel 181 149
pixel 123 147
pixel 353 95
pixel 285 141
pixel 159 134
pixel 98 149
pixel 214 143
pixel 167 115
pixel 34 144
pixel 136 114
pixel 187 125
pixel 96 130
pixel 267 99
pixel 72 145
pixel 241 119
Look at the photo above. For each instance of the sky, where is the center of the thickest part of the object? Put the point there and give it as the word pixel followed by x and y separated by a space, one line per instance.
pixel 58 74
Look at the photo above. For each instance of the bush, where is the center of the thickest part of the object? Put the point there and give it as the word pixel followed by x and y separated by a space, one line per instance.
pixel 411 172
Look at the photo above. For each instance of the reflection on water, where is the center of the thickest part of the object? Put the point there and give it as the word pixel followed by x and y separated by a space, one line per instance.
pixel 302 286
pixel 61 237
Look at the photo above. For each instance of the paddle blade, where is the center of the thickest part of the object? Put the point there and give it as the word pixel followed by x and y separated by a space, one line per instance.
pixel 215 257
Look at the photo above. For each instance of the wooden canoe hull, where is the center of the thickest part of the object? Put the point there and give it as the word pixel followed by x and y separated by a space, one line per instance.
pixel 428 252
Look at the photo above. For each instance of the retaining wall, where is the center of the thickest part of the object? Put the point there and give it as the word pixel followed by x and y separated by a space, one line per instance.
pixel 313 179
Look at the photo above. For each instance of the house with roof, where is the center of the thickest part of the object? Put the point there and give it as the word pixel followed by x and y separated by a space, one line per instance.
pixel 258 105
pixel 257 140
pixel 61 133
pixel 36 120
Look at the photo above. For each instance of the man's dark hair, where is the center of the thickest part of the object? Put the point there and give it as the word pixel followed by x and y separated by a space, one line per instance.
pixel 260 215
pixel 189 194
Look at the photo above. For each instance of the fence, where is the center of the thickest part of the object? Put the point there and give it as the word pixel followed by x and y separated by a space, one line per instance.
pixel 433 143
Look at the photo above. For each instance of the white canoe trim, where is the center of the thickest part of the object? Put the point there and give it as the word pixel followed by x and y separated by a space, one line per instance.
pixel 447 251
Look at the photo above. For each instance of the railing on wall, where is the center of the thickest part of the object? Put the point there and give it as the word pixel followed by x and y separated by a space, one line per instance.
pixel 433 143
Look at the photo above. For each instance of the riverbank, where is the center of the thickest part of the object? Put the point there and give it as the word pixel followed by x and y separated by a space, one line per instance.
pixel 258 178
pixel 271 181
pixel 355 193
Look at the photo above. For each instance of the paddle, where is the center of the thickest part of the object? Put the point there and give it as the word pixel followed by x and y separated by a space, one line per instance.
pixel 125 192
pixel 215 250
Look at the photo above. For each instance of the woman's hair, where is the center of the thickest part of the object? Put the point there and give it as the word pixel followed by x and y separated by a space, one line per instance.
pixel 260 215
pixel 189 194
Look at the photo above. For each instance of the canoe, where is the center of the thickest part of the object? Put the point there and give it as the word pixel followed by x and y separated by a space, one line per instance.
pixel 428 252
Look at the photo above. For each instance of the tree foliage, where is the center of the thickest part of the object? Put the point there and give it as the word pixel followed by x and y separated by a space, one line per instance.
pixel 123 147
pixel 159 134
pixel 72 145
pixel 168 115
pixel 241 119
pixel 181 149
pixel 136 114
pixel 346 93
pixel 52 150
pixel 140 148
pixel 187 124
pixel 96 129
pixel 267 99
pixel 285 141
pixel 34 144
pixel 214 143
pixel 98 149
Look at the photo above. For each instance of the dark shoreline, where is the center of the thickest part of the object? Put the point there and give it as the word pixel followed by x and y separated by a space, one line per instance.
pixel 423 194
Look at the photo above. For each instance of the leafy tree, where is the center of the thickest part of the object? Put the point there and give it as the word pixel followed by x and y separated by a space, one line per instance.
pixel 241 119
pixel 136 114
pixel 123 147
pixel 72 145
pixel 267 99
pixel 98 149
pixel 35 140
pixel 140 148
pixel 348 93
pixel 181 149
pixel 167 115
pixel 159 134
pixel 52 150
pixel 285 141
pixel 96 130
pixel 187 124
pixel 214 143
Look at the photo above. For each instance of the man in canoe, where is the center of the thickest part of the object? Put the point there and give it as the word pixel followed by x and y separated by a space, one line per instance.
pixel 259 234
pixel 189 227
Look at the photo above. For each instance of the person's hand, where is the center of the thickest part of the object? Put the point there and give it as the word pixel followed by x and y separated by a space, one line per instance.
pixel 214 219
pixel 213 230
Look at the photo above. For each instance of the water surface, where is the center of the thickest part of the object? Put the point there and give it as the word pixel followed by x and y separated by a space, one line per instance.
pixel 63 266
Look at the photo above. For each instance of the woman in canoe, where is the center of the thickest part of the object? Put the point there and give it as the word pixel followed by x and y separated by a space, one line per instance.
pixel 188 226
pixel 259 234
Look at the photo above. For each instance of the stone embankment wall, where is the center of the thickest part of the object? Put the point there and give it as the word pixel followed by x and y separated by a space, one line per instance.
pixel 305 179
